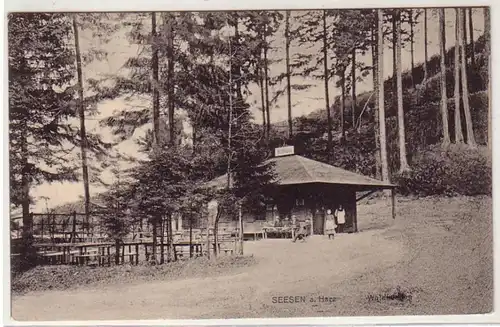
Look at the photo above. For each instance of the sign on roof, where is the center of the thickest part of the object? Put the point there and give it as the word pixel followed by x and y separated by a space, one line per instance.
pixel 284 151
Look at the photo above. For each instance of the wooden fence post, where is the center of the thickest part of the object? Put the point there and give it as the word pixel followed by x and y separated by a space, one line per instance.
pixel 240 218
pixel 73 230
pixel 41 229
pixel 393 200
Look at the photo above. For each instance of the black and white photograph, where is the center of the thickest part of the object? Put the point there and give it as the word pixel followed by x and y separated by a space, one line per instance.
pixel 327 162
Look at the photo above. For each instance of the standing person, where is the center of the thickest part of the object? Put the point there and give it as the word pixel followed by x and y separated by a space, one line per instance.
pixel 295 226
pixel 330 224
pixel 340 214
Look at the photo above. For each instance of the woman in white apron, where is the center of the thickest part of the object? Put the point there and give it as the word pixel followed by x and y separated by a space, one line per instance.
pixel 340 215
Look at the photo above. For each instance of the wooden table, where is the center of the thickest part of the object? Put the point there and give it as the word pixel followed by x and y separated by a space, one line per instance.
pixel 281 231
pixel 66 252
pixel 195 247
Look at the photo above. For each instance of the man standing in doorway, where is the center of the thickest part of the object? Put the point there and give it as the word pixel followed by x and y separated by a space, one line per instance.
pixel 340 215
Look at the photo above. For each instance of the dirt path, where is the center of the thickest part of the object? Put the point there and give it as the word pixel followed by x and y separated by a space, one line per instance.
pixel 436 250
pixel 284 269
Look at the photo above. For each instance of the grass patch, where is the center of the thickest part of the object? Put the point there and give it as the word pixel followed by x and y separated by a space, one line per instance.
pixel 65 277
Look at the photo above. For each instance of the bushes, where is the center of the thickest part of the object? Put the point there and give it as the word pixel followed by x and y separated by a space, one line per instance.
pixel 457 170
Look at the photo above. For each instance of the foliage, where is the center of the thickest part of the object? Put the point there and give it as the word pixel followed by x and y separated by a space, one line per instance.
pixel 451 172
pixel 40 100
pixel 116 218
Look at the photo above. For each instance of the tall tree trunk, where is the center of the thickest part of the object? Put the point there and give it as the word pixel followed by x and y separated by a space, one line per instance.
pixel 394 47
pixel 155 238
pixel 426 52
pixel 403 163
pixel 162 242
pixel 242 234
pixel 195 138
pixel 373 38
pixel 156 115
pixel 170 238
pixel 487 46
pixel 394 60
pixel 262 99
pixel 471 35
pixel 288 85
pixel 376 128
pixel 412 51
pixel 459 137
pixel 266 87
pixel 353 88
pixel 170 81
pixel 191 234
pixel 443 36
pixel 208 237
pixel 471 140
pixel 463 28
pixel 83 133
pixel 28 252
pixel 156 94
pixel 444 98
pixel 236 63
pixel 216 231
pixel 381 109
pixel 327 95
pixel 118 243
pixel 342 107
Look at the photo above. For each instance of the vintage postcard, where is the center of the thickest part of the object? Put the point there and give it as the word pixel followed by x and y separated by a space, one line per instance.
pixel 236 164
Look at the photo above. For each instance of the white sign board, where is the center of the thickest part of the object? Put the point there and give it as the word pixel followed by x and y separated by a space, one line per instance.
pixel 284 151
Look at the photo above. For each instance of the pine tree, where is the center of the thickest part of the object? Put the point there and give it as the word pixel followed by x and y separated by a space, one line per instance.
pixel 40 103
pixel 81 110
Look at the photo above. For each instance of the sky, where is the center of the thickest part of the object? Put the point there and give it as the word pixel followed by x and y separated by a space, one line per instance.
pixel 303 102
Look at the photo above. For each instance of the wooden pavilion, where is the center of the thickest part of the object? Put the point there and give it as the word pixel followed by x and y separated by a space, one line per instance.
pixel 306 189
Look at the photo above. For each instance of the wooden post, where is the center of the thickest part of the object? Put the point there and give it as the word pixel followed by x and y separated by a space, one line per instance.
pixel 240 218
pixel 191 235
pixel 73 231
pixel 41 229
pixel 53 226
pixel 393 200
pixel 355 213
pixel 208 241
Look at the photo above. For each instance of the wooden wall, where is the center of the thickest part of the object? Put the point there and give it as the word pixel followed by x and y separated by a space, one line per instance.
pixel 304 202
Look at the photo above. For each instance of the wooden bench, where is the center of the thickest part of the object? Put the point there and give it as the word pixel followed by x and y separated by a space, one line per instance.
pixel 52 257
pixel 131 255
pixel 227 243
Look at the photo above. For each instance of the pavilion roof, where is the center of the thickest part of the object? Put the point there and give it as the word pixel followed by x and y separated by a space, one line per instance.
pixel 296 169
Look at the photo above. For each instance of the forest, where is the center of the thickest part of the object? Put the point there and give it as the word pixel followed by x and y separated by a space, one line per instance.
pixel 426 129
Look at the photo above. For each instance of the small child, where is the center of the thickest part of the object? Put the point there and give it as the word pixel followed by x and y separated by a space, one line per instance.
pixel 330 224
pixel 301 234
